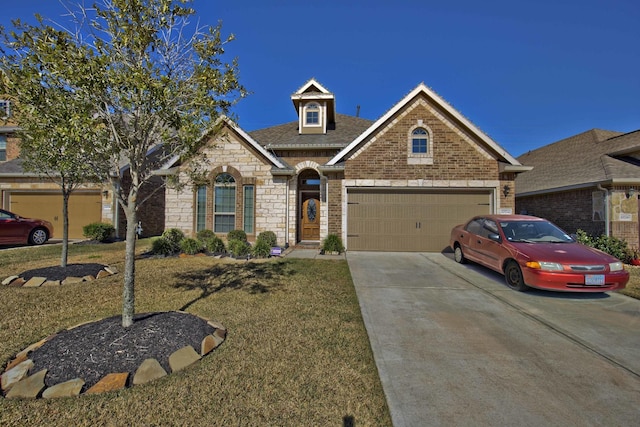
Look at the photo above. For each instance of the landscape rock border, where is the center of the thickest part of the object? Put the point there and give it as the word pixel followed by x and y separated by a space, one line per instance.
pixel 16 383
pixel 36 282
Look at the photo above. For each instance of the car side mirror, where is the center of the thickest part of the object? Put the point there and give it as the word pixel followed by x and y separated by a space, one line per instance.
pixel 495 237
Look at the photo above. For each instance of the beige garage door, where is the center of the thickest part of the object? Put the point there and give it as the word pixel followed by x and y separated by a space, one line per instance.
pixel 84 208
pixel 404 220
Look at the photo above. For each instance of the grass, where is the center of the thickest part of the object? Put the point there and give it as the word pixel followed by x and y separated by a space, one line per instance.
pixel 633 287
pixel 297 352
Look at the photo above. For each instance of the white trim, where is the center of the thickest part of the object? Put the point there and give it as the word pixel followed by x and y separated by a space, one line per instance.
pixel 422 88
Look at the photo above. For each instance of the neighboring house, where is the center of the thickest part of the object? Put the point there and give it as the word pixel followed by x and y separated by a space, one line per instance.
pixel 589 181
pixel 397 184
pixel 36 196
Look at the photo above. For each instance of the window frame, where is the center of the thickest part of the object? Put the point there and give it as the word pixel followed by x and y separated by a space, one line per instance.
pixel 5 108
pixel 425 158
pixel 312 107
pixel 249 209
pixel 3 148
pixel 227 183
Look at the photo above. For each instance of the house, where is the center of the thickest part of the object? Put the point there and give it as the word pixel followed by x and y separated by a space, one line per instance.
pixel 397 184
pixel 34 195
pixel 589 181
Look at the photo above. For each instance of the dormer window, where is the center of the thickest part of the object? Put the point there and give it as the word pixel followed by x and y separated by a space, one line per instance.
pixel 5 111
pixel 312 115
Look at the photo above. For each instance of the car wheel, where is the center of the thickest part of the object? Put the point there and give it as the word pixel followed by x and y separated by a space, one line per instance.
pixel 458 255
pixel 513 276
pixel 38 236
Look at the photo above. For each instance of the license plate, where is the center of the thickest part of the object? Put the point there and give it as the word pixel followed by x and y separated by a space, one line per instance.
pixel 594 279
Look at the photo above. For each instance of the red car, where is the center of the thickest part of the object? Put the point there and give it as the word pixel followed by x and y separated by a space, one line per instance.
pixel 533 252
pixel 17 230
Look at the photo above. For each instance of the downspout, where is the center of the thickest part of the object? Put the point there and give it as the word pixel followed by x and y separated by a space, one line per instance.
pixel 606 209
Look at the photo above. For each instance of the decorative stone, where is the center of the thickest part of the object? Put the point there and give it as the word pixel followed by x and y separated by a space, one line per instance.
pixel 216 325
pixel 220 333
pixel 103 273
pixel 149 370
pixel 182 358
pixel 35 345
pixel 88 278
pixel 111 270
pixel 110 382
pixel 65 389
pixel 18 359
pixel 35 282
pixel 29 387
pixel 14 375
pixel 70 280
pixel 51 283
pixel 208 344
pixel 17 282
pixel 9 280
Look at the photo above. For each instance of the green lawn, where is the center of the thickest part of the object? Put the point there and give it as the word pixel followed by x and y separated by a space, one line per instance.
pixel 296 354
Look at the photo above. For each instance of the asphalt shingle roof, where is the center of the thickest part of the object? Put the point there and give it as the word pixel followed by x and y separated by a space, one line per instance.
pixel 286 136
pixel 590 157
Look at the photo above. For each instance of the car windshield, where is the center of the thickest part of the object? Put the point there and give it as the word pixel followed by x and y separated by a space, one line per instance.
pixel 534 232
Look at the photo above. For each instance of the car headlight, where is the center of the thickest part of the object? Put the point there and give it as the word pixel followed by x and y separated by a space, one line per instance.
pixel 616 266
pixel 545 265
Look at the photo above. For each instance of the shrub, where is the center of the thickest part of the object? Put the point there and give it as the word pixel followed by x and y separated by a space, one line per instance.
pixel 608 244
pixel 99 231
pixel 237 235
pixel 205 234
pixel 262 249
pixel 213 245
pixel 239 248
pixel 162 246
pixel 191 246
pixel 268 237
pixel 173 236
pixel 332 243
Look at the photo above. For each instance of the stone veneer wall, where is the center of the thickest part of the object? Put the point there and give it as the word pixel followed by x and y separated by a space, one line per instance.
pixel 225 152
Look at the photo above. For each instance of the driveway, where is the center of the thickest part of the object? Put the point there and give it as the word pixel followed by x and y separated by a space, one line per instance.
pixel 455 347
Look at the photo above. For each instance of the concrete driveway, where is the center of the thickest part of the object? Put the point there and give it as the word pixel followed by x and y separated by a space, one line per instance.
pixel 455 347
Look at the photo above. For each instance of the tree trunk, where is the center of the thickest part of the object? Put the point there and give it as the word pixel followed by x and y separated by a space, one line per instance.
pixel 128 300
pixel 65 227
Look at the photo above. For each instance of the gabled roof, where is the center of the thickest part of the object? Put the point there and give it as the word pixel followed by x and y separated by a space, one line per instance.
pixel 422 89
pixel 224 120
pixel 593 157
pixel 312 90
pixel 287 137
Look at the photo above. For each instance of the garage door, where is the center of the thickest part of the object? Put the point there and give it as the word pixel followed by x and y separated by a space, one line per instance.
pixel 84 208
pixel 404 220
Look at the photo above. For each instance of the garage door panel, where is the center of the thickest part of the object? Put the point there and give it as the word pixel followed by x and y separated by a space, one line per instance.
pixel 84 208
pixel 403 220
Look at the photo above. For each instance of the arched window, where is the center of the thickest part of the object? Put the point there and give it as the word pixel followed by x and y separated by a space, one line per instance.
pixel 312 114
pixel 419 141
pixel 224 210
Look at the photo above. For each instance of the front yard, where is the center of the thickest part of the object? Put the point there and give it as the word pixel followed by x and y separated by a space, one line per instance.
pixel 296 353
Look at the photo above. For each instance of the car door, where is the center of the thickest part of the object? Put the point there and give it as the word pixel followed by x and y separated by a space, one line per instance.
pixel 485 244
pixel 11 229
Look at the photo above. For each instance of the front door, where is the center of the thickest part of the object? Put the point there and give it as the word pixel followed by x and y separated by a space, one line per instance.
pixel 310 220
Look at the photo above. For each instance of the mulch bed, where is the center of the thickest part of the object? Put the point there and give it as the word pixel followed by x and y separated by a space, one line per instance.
pixel 93 350
pixel 61 273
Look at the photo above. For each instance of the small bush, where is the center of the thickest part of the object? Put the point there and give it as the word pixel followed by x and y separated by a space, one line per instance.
pixel 262 249
pixel 333 243
pixel 269 237
pixel 608 244
pixel 213 245
pixel 205 234
pixel 173 237
pixel 237 235
pixel 190 246
pixel 162 246
pixel 99 231
pixel 239 248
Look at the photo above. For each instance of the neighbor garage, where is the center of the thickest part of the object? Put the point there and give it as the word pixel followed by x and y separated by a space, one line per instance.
pixel 84 208
pixel 407 220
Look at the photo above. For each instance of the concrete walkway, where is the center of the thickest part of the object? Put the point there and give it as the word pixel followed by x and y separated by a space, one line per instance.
pixel 455 347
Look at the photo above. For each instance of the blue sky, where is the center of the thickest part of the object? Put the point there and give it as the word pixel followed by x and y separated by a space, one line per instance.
pixel 527 73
